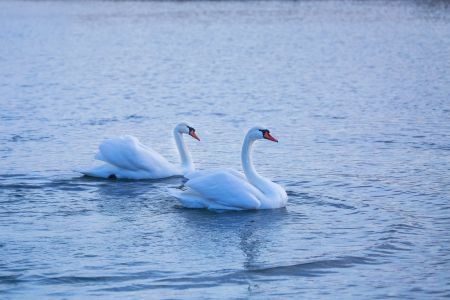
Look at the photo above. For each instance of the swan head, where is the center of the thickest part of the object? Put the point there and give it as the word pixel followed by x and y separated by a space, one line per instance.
pixel 260 133
pixel 186 129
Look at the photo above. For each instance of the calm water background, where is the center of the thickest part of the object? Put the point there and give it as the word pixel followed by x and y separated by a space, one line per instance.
pixel 358 94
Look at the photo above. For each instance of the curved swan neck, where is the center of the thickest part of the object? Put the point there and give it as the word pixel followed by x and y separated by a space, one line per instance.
pixel 186 161
pixel 247 164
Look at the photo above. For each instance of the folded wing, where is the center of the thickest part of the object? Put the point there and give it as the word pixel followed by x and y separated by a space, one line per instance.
pixel 128 153
pixel 225 189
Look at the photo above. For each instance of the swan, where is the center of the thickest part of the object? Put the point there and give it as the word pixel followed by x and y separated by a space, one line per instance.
pixel 227 189
pixel 126 157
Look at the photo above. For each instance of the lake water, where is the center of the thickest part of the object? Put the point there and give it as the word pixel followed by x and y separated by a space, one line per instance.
pixel 357 92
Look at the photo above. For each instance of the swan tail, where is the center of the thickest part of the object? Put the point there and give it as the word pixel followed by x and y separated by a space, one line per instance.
pixel 192 199
pixel 104 171
pixel 99 156
pixel 189 198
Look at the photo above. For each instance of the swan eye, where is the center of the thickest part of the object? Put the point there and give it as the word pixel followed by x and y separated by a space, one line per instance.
pixel 264 131
pixel 191 129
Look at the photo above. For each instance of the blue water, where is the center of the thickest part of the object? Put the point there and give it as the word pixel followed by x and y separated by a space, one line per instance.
pixel 357 92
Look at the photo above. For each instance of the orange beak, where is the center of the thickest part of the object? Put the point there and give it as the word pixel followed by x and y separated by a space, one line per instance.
pixel 267 136
pixel 192 133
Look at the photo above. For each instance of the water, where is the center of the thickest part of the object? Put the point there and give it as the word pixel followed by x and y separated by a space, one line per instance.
pixel 358 94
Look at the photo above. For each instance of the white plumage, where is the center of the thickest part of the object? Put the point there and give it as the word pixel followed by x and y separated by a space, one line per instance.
pixel 227 189
pixel 126 157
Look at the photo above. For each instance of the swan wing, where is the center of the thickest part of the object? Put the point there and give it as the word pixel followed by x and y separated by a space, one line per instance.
pixel 223 189
pixel 128 153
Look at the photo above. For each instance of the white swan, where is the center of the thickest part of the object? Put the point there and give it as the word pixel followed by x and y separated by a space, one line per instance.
pixel 227 189
pixel 128 158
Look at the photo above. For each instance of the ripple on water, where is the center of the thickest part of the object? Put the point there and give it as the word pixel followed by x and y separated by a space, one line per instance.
pixel 213 279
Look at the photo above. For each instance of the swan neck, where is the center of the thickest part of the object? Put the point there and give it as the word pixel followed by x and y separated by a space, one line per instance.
pixel 187 164
pixel 247 164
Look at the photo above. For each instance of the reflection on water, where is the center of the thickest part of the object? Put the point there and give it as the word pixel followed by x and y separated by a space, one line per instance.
pixel 255 234
pixel 250 246
pixel 356 92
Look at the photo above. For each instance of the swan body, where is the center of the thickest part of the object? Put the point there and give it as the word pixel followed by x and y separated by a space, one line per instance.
pixel 126 157
pixel 227 189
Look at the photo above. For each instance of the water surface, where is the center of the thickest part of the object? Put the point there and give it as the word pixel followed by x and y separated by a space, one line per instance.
pixel 356 92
